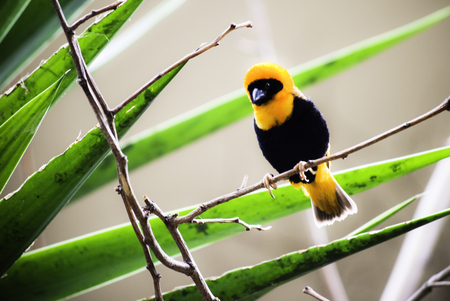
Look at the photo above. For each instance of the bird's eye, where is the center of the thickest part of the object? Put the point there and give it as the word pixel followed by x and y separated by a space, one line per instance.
pixel 267 86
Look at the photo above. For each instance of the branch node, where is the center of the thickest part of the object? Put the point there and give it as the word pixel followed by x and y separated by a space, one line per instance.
pixel 150 267
pixel 233 25
pixel 171 217
pixel 81 81
pixel 118 189
pixel 149 207
pixel 309 291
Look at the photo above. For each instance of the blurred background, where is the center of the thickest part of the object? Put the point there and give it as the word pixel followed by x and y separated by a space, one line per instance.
pixel 385 91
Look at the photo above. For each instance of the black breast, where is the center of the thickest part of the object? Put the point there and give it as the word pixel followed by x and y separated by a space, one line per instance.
pixel 304 136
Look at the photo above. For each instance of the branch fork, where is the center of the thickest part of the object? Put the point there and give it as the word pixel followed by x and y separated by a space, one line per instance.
pixel 105 117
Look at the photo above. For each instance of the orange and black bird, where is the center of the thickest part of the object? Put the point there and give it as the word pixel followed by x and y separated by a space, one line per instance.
pixel 290 129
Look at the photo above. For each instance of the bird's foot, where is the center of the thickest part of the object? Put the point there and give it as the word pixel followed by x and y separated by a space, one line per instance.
pixel 300 168
pixel 267 181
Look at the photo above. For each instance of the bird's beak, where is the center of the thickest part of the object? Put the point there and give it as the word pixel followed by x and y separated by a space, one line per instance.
pixel 257 94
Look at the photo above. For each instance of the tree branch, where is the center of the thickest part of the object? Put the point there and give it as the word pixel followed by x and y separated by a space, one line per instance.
pixel 105 117
pixel 94 13
pixel 87 84
pixel 434 281
pixel 445 105
pixel 152 208
pixel 186 58
pixel 234 220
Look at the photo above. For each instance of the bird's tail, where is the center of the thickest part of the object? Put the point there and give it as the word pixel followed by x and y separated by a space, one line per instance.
pixel 329 201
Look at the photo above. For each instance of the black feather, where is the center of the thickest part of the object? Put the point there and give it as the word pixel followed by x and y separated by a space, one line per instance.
pixel 303 136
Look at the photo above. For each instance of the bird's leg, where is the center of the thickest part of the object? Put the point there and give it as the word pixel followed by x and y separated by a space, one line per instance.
pixel 267 181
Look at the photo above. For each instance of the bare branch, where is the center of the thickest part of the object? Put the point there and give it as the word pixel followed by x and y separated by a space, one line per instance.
pixel 105 119
pixel 244 182
pixel 445 105
pixel 94 13
pixel 186 58
pixel 150 266
pixel 194 272
pixel 234 220
pixel 285 175
pixel 309 291
pixel 434 281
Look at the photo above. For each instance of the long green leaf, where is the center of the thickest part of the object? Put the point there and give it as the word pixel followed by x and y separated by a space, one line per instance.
pixel 92 42
pixel 242 284
pixel 25 213
pixel 79 264
pixel 29 33
pixel 18 232
pixel 10 11
pixel 382 217
pixel 163 139
pixel 329 65
pixel 18 131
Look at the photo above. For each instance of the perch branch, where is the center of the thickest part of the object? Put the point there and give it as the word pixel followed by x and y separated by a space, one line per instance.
pixel 285 175
pixel 444 106
pixel 186 58
pixel 309 291
pixel 434 281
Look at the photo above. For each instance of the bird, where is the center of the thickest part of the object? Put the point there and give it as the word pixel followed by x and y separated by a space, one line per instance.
pixel 291 131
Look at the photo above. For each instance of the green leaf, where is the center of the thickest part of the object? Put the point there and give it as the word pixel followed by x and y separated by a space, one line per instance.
pixel 29 34
pixel 333 63
pixel 89 261
pixel 25 213
pixel 10 11
pixel 92 42
pixel 244 283
pixel 18 131
pixel 382 217
pixel 171 135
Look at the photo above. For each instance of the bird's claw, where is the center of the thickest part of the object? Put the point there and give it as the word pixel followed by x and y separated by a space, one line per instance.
pixel 300 168
pixel 267 181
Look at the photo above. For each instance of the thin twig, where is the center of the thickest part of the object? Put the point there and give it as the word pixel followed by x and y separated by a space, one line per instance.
pixel 244 182
pixel 234 220
pixel 285 175
pixel 309 291
pixel 150 266
pixel 186 58
pixel 434 281
pixel 94 13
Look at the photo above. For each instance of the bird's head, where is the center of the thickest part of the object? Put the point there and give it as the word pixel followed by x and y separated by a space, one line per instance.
pixel 265 80
pixel 271 91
